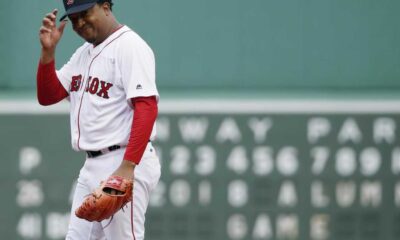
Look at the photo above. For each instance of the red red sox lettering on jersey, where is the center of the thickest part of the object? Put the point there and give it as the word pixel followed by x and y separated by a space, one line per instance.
pixel 94 86
pixel 101 80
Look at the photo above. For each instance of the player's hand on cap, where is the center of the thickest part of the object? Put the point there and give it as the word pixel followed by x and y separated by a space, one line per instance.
pixel 49 32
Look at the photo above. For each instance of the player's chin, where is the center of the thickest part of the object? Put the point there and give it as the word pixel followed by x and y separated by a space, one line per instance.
pixel 88 38
pixel 91 40
pixel 87 35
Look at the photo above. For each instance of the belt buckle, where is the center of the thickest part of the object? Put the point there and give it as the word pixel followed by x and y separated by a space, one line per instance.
pixel 114 147
pixel 93 154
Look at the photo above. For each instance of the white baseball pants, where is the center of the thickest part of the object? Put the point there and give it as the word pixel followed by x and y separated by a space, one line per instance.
pixel 127 223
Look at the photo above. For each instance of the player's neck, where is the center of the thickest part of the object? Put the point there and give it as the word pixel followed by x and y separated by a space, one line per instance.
pixel 113 27
pixel 116 28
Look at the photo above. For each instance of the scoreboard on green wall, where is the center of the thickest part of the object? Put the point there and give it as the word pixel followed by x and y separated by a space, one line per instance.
pixel 259 169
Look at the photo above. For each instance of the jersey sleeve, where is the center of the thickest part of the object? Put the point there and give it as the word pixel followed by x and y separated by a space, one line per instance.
pixel 66 72
pixel 137 68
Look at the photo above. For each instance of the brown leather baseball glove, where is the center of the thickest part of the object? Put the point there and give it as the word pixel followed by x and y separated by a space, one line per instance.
pixel 106 200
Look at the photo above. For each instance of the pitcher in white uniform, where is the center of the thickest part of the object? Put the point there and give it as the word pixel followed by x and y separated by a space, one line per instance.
pixel 110 84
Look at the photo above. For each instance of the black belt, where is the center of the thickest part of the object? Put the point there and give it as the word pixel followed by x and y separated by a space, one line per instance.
pixel 92 154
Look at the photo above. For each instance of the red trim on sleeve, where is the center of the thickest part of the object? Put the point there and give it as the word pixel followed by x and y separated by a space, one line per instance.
pixel 49 88
pixel 144 116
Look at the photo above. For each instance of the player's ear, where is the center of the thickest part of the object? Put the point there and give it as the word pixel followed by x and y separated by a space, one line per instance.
pixel 106 7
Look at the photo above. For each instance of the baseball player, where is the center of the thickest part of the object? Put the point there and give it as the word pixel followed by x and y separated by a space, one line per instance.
pixel 110 84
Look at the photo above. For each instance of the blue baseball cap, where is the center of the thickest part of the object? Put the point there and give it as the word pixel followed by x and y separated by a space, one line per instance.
pixel 75 6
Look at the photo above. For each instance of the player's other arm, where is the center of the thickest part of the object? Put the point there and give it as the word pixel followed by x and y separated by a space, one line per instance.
pixel 49 88
pixel 144 117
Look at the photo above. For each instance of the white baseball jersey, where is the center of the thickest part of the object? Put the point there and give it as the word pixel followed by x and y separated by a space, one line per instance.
pixel 100 81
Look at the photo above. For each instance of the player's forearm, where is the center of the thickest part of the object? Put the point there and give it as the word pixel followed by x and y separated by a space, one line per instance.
pixel 145 115
pixel 49 88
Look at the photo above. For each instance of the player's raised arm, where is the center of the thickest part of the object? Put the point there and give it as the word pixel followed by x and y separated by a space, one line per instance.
pixel 49 35
pixel 49 88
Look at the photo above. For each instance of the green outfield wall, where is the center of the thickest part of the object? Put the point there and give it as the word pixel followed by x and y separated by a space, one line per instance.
pixel 263 45
pixel 231 170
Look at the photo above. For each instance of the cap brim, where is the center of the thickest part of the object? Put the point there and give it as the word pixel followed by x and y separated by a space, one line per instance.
pixel 77 9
